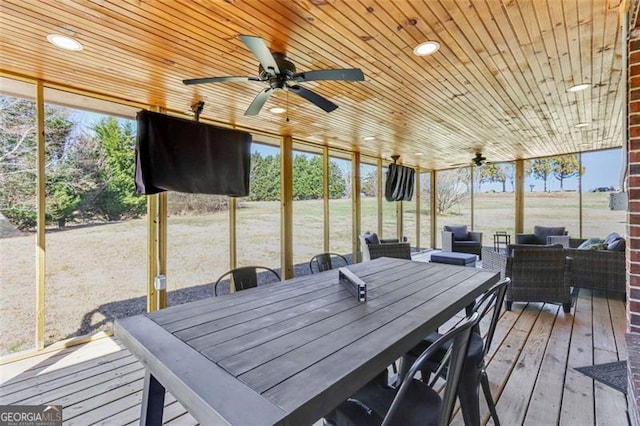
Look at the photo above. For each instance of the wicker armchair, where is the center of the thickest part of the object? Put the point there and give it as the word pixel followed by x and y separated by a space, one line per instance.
pixel 539 274
pixel 459 239
pixel 384 248
pixel 545 235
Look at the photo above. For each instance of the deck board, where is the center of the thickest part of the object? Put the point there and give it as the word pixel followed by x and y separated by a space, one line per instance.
pixel 531 361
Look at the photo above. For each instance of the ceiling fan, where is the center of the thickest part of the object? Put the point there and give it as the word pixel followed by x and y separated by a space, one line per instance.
pixel 478 160
pixel 281 74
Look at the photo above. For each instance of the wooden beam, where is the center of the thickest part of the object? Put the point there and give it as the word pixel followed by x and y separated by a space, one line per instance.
pixel 286 207
pixel 41 219
pixel 356 206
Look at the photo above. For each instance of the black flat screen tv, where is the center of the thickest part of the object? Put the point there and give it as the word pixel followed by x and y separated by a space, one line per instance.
pixel 174 154
pixel 400 183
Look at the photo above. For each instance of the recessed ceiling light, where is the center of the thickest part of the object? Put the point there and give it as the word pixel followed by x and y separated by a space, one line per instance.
pixel 369 138
pixel 581 125
pixel 579 87
pixel 64 42
pixel 426 48
pixel 277 110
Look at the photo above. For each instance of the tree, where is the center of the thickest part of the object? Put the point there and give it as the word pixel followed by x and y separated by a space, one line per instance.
pixel 369 185
pixel 337 181
pixel 18 162
pixel 493 173
pixel 565 167
pixel 307 182
pixel 116 198
pixel 541 169
pixel 264 177
pixel 307 185
pixel 452 187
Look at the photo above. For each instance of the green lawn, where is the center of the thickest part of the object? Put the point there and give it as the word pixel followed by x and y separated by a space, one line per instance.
pixel 95 273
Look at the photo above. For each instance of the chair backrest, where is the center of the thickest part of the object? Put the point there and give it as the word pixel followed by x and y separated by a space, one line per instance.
pixel 243 278
pixel 491 301
pixel 364 247
pixel 536 266
pixel 459 338
pixel 323 261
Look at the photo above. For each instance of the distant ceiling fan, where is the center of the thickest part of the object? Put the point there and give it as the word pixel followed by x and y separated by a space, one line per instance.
pixel 281 74
pixel 478 160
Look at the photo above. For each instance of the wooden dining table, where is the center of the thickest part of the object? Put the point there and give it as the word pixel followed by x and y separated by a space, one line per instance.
pixel 287 353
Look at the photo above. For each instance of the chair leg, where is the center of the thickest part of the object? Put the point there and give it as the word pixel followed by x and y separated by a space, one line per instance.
pixel 468 393
pixel 507 305
pixel 486 389
pixel 566 307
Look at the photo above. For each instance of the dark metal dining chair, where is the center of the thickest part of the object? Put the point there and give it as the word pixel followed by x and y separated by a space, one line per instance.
pixel 243 278
pixel 413 402
pixel 324 262
pixel 474 374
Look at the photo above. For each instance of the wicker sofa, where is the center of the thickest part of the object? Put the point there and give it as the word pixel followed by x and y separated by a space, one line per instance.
pixel 598 269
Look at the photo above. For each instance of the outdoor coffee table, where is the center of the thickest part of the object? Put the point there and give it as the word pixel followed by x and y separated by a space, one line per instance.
pixel 289 352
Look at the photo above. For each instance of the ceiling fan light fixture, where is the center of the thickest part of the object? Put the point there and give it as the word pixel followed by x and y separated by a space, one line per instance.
pixel 579 87
pixel 65 42
pixel 277 110
pixel 426 48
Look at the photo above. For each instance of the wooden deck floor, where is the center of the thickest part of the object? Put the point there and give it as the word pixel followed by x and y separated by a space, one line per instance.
pixel 531 371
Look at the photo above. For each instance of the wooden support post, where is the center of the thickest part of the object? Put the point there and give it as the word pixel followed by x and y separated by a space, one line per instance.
pixel 417 192
pixel 325 197
pixel 399 220
pixel 434 210
pixel 379 196
pixel 152 251
pixel 286 207
pixel 356 206
pixel 471 174
pixel 40 219
pixel 162 246
pixel 233 254
pixel 519 183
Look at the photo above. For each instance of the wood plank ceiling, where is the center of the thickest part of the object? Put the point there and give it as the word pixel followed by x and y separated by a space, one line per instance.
pixel 498 84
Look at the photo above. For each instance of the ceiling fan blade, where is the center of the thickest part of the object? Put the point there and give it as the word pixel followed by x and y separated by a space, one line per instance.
pixel 347 74
pixel 314 98
pixel 261 52
pixel 191 81
pixel 258 102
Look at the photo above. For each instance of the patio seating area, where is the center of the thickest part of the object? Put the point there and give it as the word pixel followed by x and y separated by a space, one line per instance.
pixel 531 371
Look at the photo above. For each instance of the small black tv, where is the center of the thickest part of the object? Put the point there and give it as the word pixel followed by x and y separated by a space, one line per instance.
pixel 400 183
pixel 174 154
